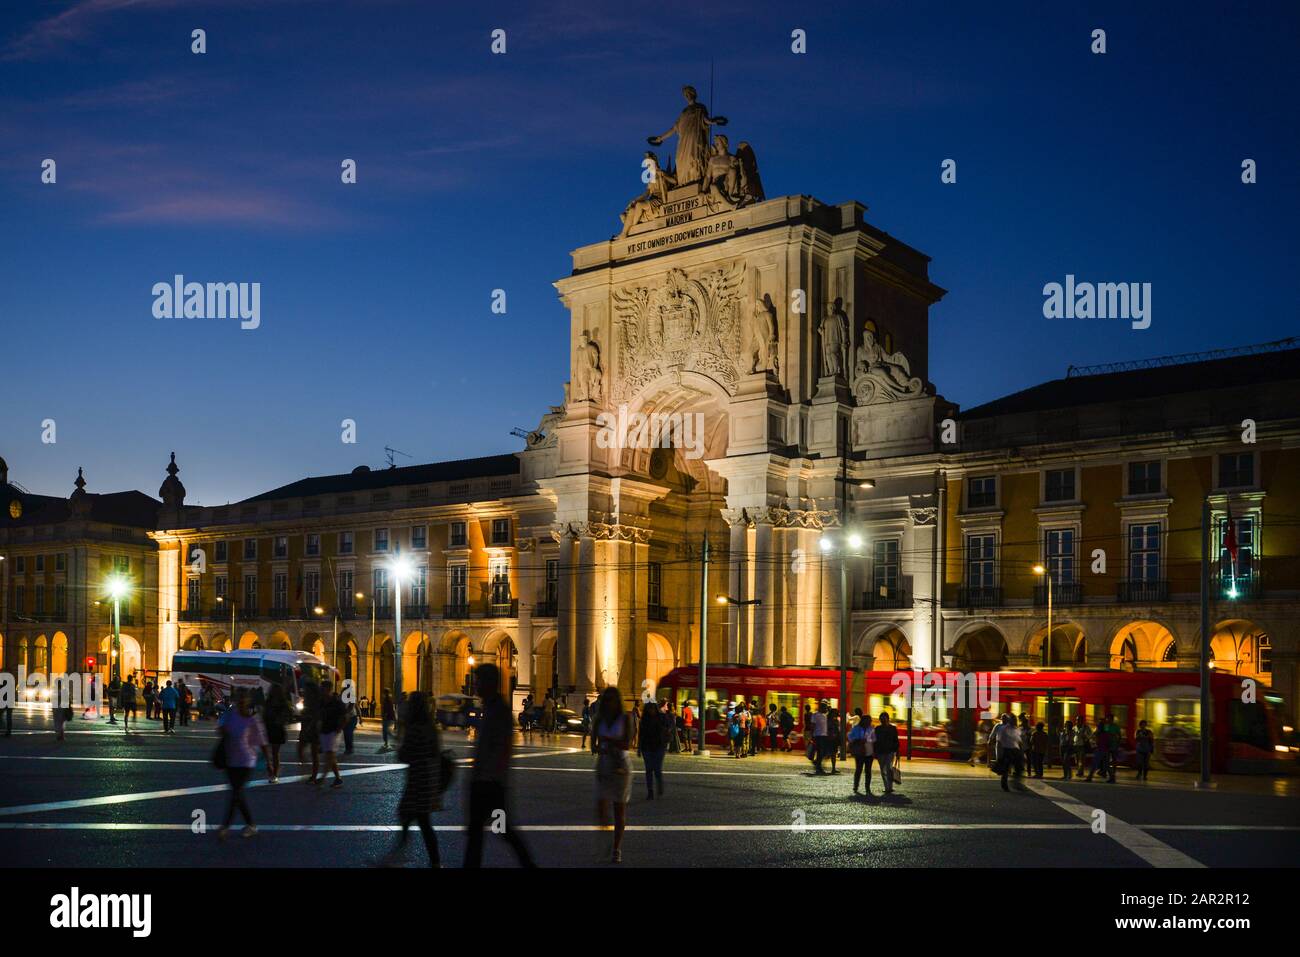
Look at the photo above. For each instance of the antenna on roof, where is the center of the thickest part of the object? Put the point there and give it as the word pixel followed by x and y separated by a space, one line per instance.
pixel 1132 365
pixel 520 433
pixel 390 452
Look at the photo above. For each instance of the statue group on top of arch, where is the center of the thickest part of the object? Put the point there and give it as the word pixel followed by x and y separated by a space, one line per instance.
pixel 724 179
pixel 878 374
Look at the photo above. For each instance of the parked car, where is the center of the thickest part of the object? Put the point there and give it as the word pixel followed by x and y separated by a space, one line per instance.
pixel 458 711
pixel 568 720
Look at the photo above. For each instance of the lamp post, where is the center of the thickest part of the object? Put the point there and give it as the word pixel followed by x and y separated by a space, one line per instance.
pixel 400 568
pixel 234 642
pixel 1047 642
pixel 117 588
pixel 852 545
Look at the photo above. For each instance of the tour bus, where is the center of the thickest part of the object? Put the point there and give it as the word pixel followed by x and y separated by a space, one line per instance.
pixel 939 712
pixel 255 668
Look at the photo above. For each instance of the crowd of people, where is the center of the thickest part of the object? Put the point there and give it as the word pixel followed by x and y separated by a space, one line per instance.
pixel 1017 749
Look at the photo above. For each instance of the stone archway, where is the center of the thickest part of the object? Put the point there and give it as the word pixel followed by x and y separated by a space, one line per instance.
pixel 250 639
pixel 195 643
pixel 455 655
pixel 424 666
pixel 889 649
pixel 59 654
pixel 1235 648
pixel 1068 647
pixel 545 666
pixel 40 655
pixel 131 657
pixel 1142 645
pixel 658 657
pixel 982 647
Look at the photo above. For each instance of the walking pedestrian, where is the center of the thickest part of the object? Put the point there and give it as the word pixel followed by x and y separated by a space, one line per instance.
pixel 1038 749
pixel 1083 746
pixel 309 728
pixel 1116 741
pixel 242 736
pixel 756 726
pixel 168 700
pixel 91 699
pixel 388 717
pixel 7 713
pixel 1100 751
pixel 1067 748
pixel 833 737
pixel 185 700
pixel 1145 744
pixel 422 794
pixel 586 722
pixel 1009 751
pixel 886 751
pixel 672 724
pixel 333 715
pixel 820 723
pixel 862 742
pixel 651 746
pixel 548 714
pixel 773 727
pixel 128 703
pixel 147 692
pixel 488 789
pixel 1026 740
pixel 787 725
pixel 611 736
pixel 276 715
pixel 351 721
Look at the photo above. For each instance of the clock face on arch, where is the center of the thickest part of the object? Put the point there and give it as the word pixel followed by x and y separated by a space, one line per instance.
pixel 15 509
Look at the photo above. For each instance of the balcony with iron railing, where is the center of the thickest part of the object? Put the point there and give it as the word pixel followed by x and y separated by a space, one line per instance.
pixel 1237 587
pixel 882 599
pixel 414 611
pixel 1063 593
pixel 979 596
pixel 508 608
pixel 1142 591
pixel 450 611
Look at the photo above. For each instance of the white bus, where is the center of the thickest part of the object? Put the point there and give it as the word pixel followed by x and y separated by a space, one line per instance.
pixel 255 668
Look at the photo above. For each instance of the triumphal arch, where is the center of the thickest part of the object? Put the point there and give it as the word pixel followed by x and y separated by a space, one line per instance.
pixel 789 337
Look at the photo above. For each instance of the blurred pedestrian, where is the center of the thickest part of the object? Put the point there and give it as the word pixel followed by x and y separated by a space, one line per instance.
pixel 833 736
pixel 351 720
pixel 488 791
pixel 1100 751
pixel 388 717
pixel 168 701
pixel 150 695
pixel 422 795
pixel 651 747
pixel 1145 743
pixel 309 728
pixel 1038 749
pixel 611 736
pixel 1010 754
pixel 862 742
pixel 185 700
pixel 128 703
pixel 276 716
pixel 1066 744
pixel 787 725
pixel 820 723
pixel 773 727
pixel 886 750
pixel 333 715
pixel 1116 740
pixel 242 737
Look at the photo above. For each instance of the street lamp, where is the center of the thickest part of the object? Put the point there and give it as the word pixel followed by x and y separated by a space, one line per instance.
pixel 852 545
pixel 1047 642
pixel 234 642
pixel 400 568
pixel 118 588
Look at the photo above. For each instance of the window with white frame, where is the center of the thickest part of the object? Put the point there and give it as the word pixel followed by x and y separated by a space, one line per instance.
pixel 250 549
pixel 1058 485
pixel 346 543
pixel 457 582
pixel 654 583
pixel 1058 551
pixel 981 560
pixel 122 564
pixel 311 587
pixel 280 549
pixel 39 592
pixel 60 601
pixel 381 539
pixel 346 597
pixel 280 590
pixel 982 492
pixel 192 594
pixel 553 582
pixel 500 531
pixel 1144 552
pixel 419 536
pixel 1144 477
pixel 219 585
pixel 312 545
pixel 458 535
pixel 221 551
pixel 250 593
pixel 1237 470
pixel 40 563
pixel 499 574
pixel 380 582
pixel 1264 654
pixel 420 587
pixel 1243 569
pixel 884 568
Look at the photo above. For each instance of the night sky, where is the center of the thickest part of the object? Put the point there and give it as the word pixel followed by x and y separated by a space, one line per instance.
pixel 479 172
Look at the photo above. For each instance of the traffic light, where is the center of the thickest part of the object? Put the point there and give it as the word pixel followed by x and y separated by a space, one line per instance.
pixel 90 662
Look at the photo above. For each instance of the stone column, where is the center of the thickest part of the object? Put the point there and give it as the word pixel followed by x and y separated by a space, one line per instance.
pixel 830 602
pixel 565 619
pixel 765 612
pixel 587 617
pixel 526 579
pixel 737 585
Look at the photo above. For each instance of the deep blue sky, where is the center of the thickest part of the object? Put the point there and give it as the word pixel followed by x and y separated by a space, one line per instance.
pixel 481 171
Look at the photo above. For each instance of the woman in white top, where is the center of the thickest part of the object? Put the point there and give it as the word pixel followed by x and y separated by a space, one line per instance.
pixel 611 736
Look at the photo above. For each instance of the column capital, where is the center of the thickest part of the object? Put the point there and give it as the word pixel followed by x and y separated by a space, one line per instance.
pixel 601 529
pixel 782 516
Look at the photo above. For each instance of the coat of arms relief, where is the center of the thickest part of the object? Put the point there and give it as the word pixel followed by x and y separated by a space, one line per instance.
pixel 688 322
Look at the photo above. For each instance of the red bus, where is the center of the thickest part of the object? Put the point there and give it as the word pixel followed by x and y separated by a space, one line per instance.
pixel 939 712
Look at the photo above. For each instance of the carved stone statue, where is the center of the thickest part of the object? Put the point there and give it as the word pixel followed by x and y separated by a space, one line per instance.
pixel 646 206
pixel 587 373
pixel 882 374
pixel 763 337
pixel 731 181
pixel 834 329
pixel 692 132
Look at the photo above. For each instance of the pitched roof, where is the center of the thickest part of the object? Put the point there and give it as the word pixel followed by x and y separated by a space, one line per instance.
pixel 112 508
pixel 364 479
pixel 1145 383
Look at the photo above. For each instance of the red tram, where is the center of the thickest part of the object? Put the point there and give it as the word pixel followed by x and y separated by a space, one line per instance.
pixel 939 713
